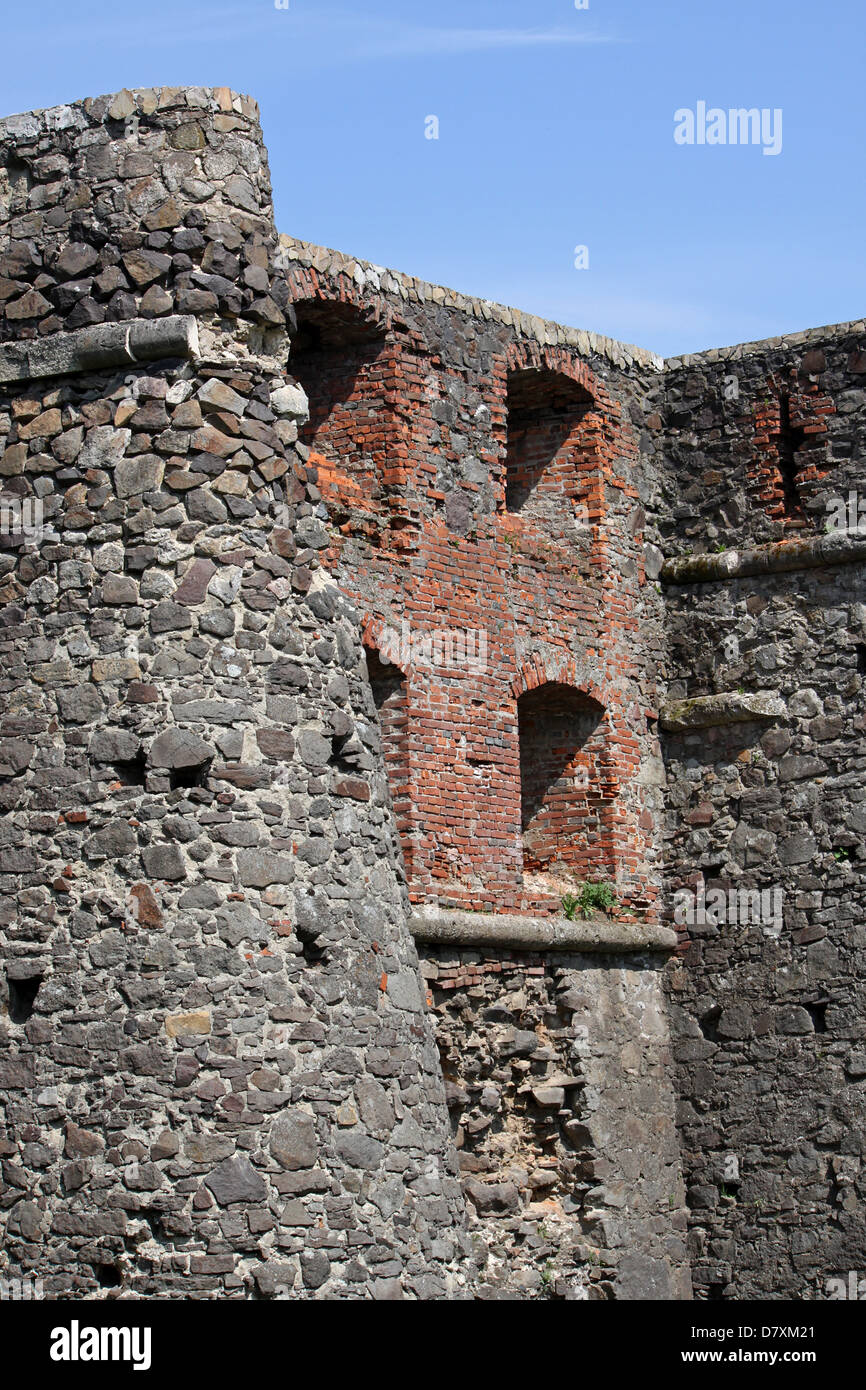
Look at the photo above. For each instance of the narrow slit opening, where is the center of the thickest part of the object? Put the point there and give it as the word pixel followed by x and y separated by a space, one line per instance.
pixel 22 997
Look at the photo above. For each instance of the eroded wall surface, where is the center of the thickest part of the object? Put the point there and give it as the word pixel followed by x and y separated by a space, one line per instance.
pixel 768 1007
pixel 557 1071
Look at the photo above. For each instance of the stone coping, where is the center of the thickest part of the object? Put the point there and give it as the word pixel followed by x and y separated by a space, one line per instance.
pixel 118 106
pixel 410 288
pixel 808 337
pixel 840 547
pixel 439 927
pixel 100 346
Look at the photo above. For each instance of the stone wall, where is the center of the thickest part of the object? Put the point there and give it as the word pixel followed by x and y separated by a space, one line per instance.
pixel 768 1013
pixel 279 528
pixel 217 1074
pixel 485 479
pixel 557 1069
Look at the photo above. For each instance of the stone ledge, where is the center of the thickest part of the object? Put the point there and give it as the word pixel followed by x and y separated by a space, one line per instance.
pixel 487 929
pixel 820 552
pixel 731 707
pixel 104 345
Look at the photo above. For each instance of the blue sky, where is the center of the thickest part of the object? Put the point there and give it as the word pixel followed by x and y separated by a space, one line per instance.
pixel 556 129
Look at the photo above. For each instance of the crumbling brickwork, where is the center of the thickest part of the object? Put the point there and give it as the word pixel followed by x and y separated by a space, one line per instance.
pixel 514 470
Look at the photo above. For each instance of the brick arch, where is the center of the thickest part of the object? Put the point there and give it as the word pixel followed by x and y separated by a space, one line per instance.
pixel 540 670
pixel 307 285
pixel 529 356
pixel 549 423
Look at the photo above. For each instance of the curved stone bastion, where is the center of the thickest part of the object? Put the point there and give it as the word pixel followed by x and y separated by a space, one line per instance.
pixel 218 1074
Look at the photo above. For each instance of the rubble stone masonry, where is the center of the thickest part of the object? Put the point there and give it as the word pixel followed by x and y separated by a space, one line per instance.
pixel 340 613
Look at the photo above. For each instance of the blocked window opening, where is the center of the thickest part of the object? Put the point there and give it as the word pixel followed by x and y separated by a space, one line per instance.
pixel 22 997
pixel 347 369
pixel 789 441
pixel 547 463
pixel 566 793
pixel 388 684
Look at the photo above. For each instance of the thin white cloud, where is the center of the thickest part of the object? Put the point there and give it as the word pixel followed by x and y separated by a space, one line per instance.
pixel 321 38
pixel 422 43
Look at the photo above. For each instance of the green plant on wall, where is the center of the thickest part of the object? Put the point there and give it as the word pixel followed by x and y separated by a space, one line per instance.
pixel 593 897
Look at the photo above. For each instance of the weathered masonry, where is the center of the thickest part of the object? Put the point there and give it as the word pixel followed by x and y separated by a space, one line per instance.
pixel 346 619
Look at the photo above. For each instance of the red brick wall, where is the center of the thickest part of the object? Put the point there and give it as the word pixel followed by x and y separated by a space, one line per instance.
pixel 806 409
pixel 555 587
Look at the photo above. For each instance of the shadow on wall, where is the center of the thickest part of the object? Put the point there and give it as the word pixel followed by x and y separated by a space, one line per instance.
pixel 342 360
pixel 565 798
pixel 545 413
pixel 388 684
